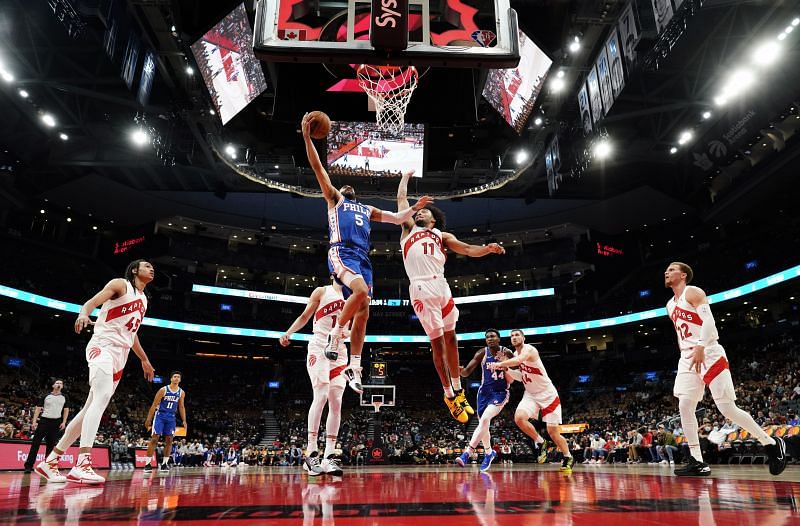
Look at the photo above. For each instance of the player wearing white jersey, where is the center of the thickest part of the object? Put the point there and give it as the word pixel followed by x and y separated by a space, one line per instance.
pixel 327 379
pixel 703 362
pixel 115 333
pixel 423 243
pixel 540 395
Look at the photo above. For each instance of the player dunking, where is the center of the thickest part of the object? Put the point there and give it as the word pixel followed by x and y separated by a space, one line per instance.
pixel 703 362
pixel 115 333
pixel 327 381
pixel 348 256
pixel 161 419
pixel 540 395
pixel 423 243
pixel 492 396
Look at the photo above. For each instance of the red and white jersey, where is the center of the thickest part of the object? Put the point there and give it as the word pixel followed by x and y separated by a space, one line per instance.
pixel 687 322
pixel 328 311
pixel 119 319
pixel 534 375
pixel 423 253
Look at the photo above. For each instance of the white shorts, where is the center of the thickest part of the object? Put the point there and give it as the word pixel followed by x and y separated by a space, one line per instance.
pixel 322 371
pixel 433 304
pixel 110 359
pixel 714 372
pixel 547 403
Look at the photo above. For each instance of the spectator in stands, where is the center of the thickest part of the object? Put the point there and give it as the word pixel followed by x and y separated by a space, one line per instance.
pixel 666 445
pixel 634 443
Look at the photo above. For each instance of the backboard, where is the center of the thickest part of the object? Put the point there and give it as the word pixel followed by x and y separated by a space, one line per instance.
pixel 442 33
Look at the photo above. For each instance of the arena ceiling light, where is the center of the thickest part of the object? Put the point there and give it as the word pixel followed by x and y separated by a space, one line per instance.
pixel 673 150
pixel 685 137
pixel 6 75
pixel 766 53
pixel 230 151
pixel 575 45
pixel 557 84
pixel 602 149
pixel 706 115
pixel 48 119
pixel 521 156
pixel 24 94
pixel 189 70
pixel 139 137
pixel 538 121
pixel 63 136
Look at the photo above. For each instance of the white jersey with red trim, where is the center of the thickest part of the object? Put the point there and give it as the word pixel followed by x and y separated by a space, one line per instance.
pixel 328 311
pixel 687 322
pixel 423 253
pixel 119 319
pixel 534 375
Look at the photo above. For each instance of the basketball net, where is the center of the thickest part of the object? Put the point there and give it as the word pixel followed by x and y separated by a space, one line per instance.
pixel 389 88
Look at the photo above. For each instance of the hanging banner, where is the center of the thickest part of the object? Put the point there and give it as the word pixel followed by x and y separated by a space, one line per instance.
pixel 604 77
pixel 586 112
pixel 130 60
pixel 615 62
pixel 662 11
pixel 148 75
pixel 595 99
pixel 628 36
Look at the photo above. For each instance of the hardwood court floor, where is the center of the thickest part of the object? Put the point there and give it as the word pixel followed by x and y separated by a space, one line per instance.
pixel 520 495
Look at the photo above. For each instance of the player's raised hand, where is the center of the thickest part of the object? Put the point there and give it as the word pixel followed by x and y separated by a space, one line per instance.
pixel 408 174
pixel 305 126
pixel 81 323
pixel 424 201
pixel 284 340
pixel 494 248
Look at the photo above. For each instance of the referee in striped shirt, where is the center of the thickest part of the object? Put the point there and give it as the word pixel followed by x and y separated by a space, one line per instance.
pixel 48 420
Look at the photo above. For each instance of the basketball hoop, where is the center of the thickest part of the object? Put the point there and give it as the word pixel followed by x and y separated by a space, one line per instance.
pixel 390 89
pixel 377 402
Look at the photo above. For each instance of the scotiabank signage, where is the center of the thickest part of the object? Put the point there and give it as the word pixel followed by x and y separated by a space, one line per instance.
pixel 141 457
pixel 13 455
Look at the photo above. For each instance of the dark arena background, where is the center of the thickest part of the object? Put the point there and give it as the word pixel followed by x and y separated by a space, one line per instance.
pixel 596 142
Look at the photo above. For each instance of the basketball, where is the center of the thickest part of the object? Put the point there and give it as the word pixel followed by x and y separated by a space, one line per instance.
pixel 320 124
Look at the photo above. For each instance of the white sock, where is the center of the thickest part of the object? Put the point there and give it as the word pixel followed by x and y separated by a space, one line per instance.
pixel 456 383
pixel 82 457
pixel 52 456
pixel 355 360
pixel 539 440
pixel 448 392
pixel 330 447
pixel 165 461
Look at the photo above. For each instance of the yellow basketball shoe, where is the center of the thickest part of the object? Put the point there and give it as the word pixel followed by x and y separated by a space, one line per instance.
pixel 461 398
pixel 456 410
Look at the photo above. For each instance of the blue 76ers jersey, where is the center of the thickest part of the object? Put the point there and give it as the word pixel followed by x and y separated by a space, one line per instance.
pixel 493 382
pixel 169 403
pixel 348 224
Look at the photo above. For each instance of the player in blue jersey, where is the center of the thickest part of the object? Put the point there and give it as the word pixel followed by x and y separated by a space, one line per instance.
pixel 161 419
pixel 348 256
pixel 492 395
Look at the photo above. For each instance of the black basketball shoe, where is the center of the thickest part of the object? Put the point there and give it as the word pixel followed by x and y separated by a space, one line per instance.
pixel 693 468
pixel 777 456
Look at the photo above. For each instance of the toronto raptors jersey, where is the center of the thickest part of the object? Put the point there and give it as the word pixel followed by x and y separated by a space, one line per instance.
pixel 423 253
pixel 119 319
pixel 534 376
pixel 330 307
pixel 687 322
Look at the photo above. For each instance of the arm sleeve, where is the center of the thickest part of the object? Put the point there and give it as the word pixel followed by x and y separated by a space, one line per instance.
pixel 396 218
pixel 708 332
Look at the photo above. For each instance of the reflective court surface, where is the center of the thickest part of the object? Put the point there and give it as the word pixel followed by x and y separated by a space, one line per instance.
pixel 518 494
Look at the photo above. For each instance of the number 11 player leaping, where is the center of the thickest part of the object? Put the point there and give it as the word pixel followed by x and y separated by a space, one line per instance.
pixel 348 256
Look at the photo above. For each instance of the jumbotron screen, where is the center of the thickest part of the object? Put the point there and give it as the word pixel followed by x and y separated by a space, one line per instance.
pixel 513 92
pixel 231 72
pixel 362 149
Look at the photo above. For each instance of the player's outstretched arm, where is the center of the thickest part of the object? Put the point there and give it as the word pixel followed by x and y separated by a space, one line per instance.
pixel 402 199
pixel 331 194
pixel 528 353
pixel 113 289
pixel 401 216
pixel 476 360
pixel 473 251
pixel 708 331
pixel 147 367
pixel 311 307
pixel 148 422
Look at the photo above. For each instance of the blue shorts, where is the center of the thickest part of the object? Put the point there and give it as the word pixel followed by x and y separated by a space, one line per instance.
pixel 345 262
pixel 498 398
pixel 164 426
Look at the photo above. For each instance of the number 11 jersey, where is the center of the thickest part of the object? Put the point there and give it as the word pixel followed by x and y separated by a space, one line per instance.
pixel 423 253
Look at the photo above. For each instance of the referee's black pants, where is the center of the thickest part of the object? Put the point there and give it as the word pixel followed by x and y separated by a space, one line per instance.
pixel 47 430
